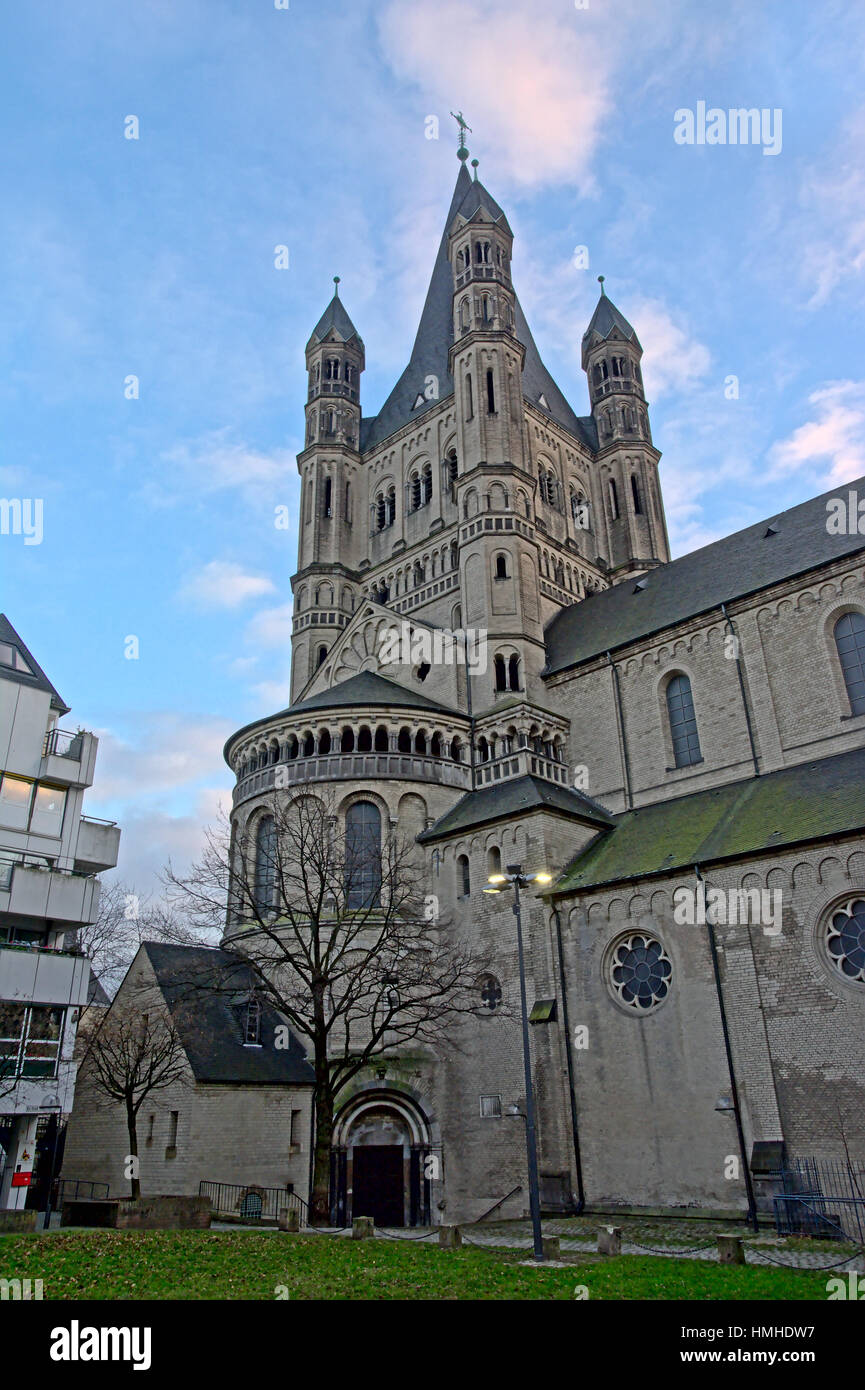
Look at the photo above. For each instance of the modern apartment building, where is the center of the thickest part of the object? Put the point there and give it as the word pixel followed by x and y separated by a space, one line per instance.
pixel 50 856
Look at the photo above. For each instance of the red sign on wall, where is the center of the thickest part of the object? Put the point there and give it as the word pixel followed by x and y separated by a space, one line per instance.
pixel 21 1179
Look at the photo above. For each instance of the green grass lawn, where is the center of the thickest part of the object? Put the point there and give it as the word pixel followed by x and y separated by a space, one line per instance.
pixel 253 1265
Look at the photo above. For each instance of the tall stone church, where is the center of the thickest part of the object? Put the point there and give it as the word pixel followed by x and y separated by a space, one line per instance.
pixel 493 653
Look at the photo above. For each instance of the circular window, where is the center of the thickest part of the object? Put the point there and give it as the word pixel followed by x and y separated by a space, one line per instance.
pixel 640 972
pixel 491 993
pixel 845 939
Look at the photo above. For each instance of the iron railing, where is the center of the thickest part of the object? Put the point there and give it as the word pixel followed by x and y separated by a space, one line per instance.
pixel 822 1197
pixel 63 743
pixel 249 1201
pixel 68 1189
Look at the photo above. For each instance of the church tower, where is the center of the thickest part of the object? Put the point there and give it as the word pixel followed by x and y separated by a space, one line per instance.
pixel 627 460
pixel 332 538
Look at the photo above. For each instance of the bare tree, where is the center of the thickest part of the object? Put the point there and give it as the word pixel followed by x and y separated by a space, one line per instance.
pixel 125 920
pixel 346 949
pixel 133 1052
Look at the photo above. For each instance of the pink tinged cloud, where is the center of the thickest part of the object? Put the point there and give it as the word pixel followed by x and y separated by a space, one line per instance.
pixel 832 444
pixel 222 584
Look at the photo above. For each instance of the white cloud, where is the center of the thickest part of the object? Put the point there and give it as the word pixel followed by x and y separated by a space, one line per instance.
pixel 271 627
pixel 217 463
pixel 171 753
pixel 538 77
pixel 223 584
pixel 832 196
pixel 673 359
pixel 831 445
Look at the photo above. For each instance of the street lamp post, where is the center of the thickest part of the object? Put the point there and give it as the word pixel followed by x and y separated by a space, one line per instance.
pixel 515 876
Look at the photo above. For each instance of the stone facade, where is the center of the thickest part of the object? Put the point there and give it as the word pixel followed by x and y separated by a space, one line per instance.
pixel 633 724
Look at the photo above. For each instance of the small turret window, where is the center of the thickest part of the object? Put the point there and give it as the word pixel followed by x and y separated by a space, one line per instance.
pixel 614 500
pixel 470 409
pixel 491 395
pixel 327 504
pixel 635 491
pixel 501 567
pixel 427 483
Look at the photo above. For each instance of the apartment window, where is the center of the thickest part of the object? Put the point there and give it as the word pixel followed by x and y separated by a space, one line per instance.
pixel 48 807
pixel 294 1132
pixel 491 1107
pixel 172 1129
pixel 850 641
pixel 683 722
pixel 30 1037
pixel 252 1026
pixel 15 802
pixel 10 656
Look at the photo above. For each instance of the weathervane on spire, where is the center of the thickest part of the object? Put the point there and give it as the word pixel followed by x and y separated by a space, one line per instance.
pixel 462 152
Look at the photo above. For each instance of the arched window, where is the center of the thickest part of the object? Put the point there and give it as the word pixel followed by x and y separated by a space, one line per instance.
pixel 614 499
pixel 850 641
pixel 483 750
pixel 322 656
pixel 451 463
pixel 683 722
pixel 635 492
pixel 403 741
pixel 323 741
pixel 363 855
pixel 309 745
pixel 391 506
pixel 381 743
pixel 501 567
pixel 514 672
pixel 364 739
pixel 464 882
pixel 456 750
pixel 542 484
pixel 380 512
pixel 491 394
pixel 346 742
pixel 552 489
pixel 500 673
pixel 427 483
pixel 470 408
pixel 348 503
pixel 265 864
pixel 414 492
pixel 494 861
pixel 420 741
pixel 291 747
pixel 327 505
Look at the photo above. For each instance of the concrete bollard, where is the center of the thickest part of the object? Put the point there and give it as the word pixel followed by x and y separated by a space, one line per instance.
pixel 731 1250
pixel 362 1227
pixel 450 1237
pixel 288 1219
pixel 609 1240
pixel 551 1247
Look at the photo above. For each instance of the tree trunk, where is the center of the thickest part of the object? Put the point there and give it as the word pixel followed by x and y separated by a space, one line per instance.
pixel 135 1182
pixel 319 1206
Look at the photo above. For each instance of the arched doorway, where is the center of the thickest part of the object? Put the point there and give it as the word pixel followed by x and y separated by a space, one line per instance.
pixel 379 1162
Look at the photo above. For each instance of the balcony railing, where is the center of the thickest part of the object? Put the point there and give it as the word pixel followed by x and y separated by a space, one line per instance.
pixel 63 743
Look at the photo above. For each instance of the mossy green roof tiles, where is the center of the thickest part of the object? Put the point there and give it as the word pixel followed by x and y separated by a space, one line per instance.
pixel 811 801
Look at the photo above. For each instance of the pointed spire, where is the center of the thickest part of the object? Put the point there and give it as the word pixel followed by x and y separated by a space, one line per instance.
pixel 335 319
pixel 601 279
pixel 475 163
pixel 608 321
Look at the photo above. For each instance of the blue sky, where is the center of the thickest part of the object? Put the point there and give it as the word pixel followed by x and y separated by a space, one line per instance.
pixel 307 127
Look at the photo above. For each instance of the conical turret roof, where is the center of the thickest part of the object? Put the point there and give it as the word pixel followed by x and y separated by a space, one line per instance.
pixel 335 319
pixel 607 322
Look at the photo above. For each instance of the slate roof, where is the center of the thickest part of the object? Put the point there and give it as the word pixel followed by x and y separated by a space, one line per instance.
pixel 429 356
pixel 512 798
pixel 367 688
pixel 605 320
pixel 728 569
pixel 811 801
pixel 335 318
pixel 206 991
pixel 38 680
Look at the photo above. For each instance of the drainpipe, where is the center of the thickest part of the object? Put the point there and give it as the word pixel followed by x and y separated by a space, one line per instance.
pixel 620 724
pixel 469 711
pixel 578 1163
pixel 734 1090
pixel 735 636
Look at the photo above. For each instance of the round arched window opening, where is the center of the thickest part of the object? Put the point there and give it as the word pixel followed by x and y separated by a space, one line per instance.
pixel 640 972
pixel 491 993
pixel 845 939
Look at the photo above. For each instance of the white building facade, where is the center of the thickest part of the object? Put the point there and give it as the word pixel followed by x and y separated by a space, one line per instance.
pixel 50 856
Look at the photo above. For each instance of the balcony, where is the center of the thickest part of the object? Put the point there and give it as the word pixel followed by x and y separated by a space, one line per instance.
pixel 32 974
pixel 98 845
pixel 39 890
pixel 337 767
pixel 68 757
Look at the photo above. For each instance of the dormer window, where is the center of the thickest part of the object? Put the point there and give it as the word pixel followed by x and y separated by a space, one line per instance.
pixel 10 656
pixel 252 1023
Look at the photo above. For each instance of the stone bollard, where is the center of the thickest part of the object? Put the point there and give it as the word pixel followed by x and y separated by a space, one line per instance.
pixel 288 1219
pixel 609 1240
pixel 731 1250
pixel 450 1237
pixel 551 1247
pixel 362 1227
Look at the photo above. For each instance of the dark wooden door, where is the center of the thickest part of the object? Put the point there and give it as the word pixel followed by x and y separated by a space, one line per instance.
pixel 377 1183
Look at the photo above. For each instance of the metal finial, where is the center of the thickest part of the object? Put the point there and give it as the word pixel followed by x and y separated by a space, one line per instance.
pixel 336 286
pixel 601 279
pixel 462 152
pixel 475 163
